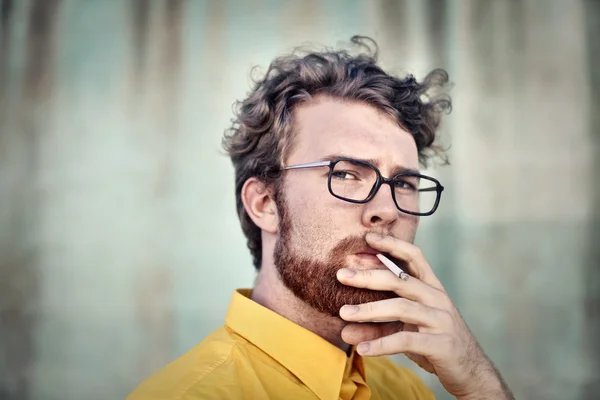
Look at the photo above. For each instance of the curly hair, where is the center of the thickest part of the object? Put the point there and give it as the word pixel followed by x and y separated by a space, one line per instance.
pixel 262 131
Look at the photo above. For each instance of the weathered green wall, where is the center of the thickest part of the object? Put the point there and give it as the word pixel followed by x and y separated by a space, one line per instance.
pixel 119 243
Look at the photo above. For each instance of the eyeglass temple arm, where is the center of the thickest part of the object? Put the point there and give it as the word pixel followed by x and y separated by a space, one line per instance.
pixel 309 165
pixel 431 189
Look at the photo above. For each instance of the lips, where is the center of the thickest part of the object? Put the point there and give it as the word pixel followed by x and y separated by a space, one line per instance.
pixel 369 251
pixel 369 255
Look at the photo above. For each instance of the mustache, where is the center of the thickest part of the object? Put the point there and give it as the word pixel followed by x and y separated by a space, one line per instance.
pixel 358 244
pixel 352 244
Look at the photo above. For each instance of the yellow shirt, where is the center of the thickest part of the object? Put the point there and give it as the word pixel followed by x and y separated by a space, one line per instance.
pixel 259 354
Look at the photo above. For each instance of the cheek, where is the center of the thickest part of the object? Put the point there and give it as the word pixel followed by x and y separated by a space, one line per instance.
pixel 308 198
pixel 319 220
pixel 310 217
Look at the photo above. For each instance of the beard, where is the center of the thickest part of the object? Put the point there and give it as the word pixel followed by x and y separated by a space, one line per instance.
pixel 314 281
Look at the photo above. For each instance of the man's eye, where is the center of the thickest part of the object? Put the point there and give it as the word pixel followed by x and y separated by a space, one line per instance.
pixel 400 184
pixel 344 175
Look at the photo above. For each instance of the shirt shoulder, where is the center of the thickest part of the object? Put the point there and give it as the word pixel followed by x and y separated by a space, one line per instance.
pixel 386 379
pixel 208 371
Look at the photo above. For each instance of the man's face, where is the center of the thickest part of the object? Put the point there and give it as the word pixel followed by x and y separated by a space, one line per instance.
pixel 318 233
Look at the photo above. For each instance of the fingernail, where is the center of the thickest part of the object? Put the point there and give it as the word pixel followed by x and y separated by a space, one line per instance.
pixel 349 310
pixel 346 273
pixel 363 348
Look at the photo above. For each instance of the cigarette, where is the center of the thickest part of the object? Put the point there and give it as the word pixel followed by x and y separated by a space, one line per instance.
pixel 388 263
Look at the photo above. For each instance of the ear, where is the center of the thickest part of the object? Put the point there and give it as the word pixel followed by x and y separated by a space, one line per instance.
pixel 260 206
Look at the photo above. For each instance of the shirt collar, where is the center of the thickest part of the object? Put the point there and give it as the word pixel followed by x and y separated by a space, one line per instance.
pixel 316 362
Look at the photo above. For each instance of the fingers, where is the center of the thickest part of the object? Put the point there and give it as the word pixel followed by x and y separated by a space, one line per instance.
pixel 356 333
pixel 428 345
pixel 385 280
pixel 398 309
pixel 411 254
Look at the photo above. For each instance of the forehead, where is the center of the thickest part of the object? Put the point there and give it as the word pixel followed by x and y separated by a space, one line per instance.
pixel 327 126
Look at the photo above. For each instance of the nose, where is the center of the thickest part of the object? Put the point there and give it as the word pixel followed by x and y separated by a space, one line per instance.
pixel 381 210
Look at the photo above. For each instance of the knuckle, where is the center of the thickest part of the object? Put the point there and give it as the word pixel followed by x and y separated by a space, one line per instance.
pixel 442 300
pixel 421 297
pixel 447 319
pixel 449 343
pixel 380 344
pixel 409 341
pixel 410 256
pixel 400 305
pixel 415 253
pixel 418 252
pixel 446 301
pixel 367 273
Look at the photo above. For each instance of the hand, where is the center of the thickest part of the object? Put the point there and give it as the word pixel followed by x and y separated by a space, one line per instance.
pixel 432 332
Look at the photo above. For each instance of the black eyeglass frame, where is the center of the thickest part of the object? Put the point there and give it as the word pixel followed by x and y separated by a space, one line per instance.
pixel 380 181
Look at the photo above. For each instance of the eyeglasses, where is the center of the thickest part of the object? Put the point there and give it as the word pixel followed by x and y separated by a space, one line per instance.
pixel 358 181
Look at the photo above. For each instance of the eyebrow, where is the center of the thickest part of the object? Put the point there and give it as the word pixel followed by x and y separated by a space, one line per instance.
pixel 395 171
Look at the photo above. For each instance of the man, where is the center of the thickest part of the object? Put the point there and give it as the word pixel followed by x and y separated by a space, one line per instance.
pixel 326 150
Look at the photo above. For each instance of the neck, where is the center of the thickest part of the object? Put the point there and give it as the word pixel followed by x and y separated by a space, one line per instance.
pixel 271 293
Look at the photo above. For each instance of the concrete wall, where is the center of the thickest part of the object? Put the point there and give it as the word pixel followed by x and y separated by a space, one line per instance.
pixel 119 242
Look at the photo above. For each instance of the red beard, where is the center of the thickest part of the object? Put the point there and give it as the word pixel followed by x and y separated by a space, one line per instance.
pixel 314 282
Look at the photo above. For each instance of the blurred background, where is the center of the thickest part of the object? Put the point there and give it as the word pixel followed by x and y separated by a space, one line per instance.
pixel 119 241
